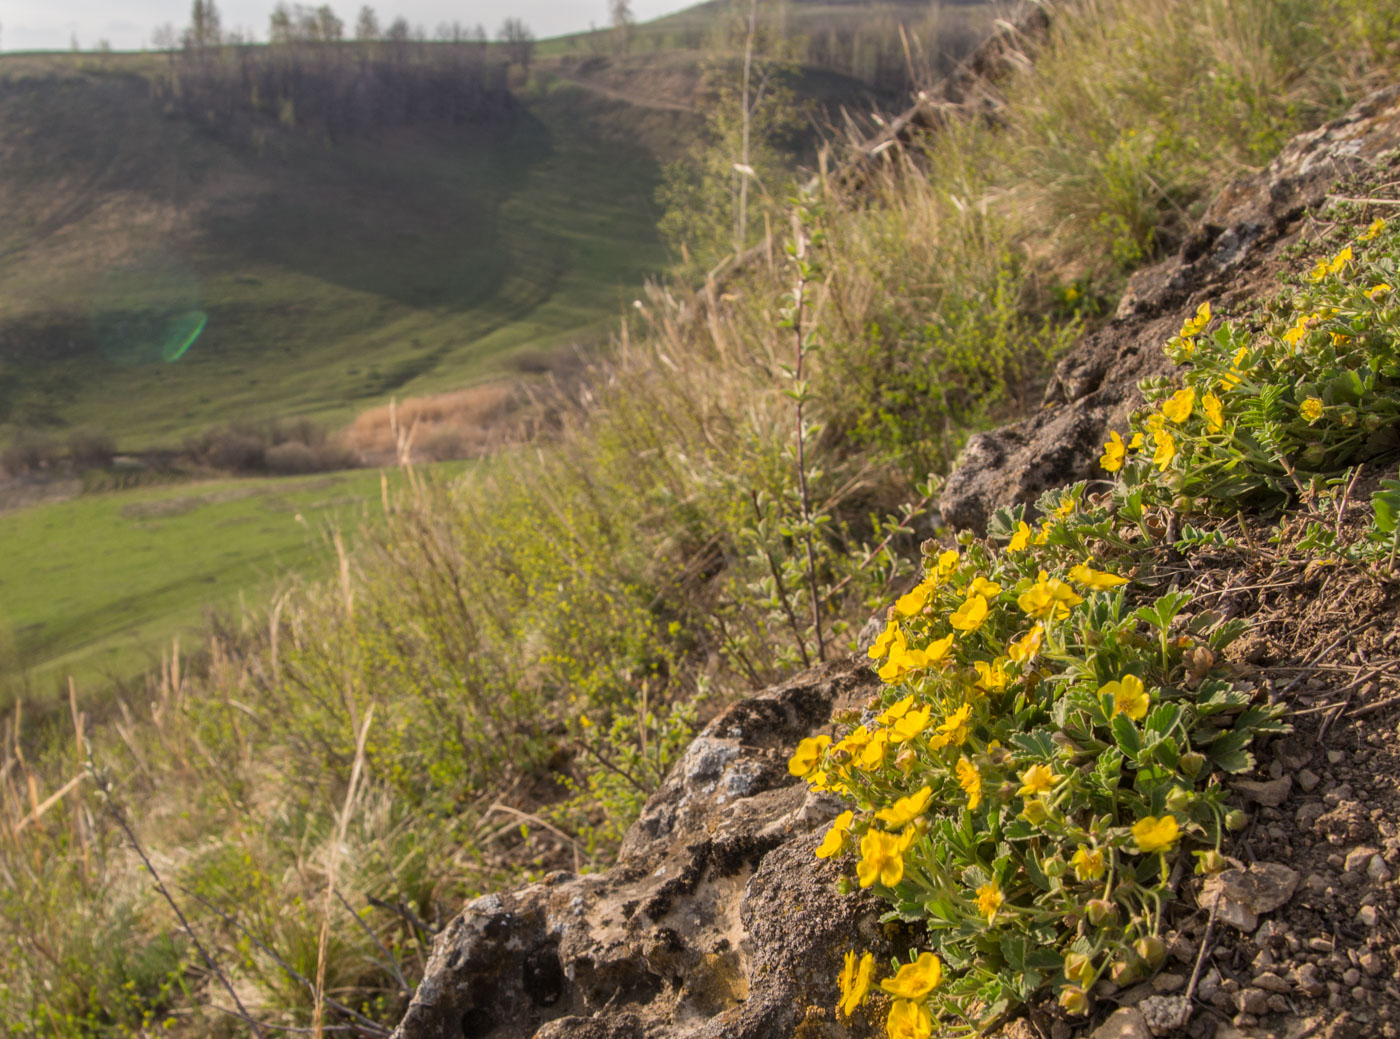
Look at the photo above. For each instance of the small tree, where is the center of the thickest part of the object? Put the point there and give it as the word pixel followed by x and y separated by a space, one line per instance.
pixel 205 28
pixel 329 27
pixel 367 25
pixel 519 42
pixel 620 15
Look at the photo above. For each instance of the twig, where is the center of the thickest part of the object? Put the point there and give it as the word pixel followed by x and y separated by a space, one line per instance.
pixel 1205 944
pixel 389 960
pixel 209 960
pixel 403 912
pixel 799 305
pixel 292 1029
pixel 782 589
pixel 498 807
pixel 1372 708
pixel 1365 201
pixel 296 975
pixel 1346 497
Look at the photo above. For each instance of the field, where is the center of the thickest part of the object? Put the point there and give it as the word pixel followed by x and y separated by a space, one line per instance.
pixel 98 586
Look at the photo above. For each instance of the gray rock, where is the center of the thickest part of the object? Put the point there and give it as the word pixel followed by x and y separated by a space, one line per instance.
pixel 1271 793
pixel 1252 1001
pixel 1271 982
pixel 1238 896
pixel 1124 1023
pixel 1308 780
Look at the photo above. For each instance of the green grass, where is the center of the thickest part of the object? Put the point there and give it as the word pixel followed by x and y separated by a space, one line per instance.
pixel 334 276
pixel 100 585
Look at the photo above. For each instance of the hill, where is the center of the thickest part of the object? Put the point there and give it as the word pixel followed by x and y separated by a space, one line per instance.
pixel 327 277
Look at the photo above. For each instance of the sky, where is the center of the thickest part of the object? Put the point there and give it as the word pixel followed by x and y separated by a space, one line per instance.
pixel 128 25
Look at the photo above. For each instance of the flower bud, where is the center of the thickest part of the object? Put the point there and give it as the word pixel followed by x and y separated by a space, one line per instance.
pixel 998 755
pixel 1372 422
pixel 1152 950
pixel 1074 1000
pixel 1192 762
pixel 1078 967
pixel 1236 820
pixel 1314 455
pixel 1126 971
pixel 1100 911
pixel 1211 861
pixel 1054 867
pixel 904 760
pixel 922 826
pixel 1179 799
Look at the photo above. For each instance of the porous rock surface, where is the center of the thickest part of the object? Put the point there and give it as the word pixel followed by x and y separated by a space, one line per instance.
pixel 717 920
pixel 1231 257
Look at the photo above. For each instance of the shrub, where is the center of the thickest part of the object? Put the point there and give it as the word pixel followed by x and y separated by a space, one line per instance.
pixel 91 449
pixel 29 452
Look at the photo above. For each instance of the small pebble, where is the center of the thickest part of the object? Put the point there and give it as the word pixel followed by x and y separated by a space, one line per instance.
pixel 1308 780
pixel 1368 915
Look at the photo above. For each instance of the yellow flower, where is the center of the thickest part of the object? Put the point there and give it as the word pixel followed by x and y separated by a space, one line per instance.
pixel 1376 291
pixel 854 743
pixel 1153 834
pixel 953 731
pixel 835 838
pixel 915 980
pixel 904 660
pixel 991 678
pixel 1113 451
pixel 1194 325
pixel 1097 580
pixel 1215 413
pixel 1339 261
pixel 947 563
pixel 1088 863
pixel 1020 539
pixel 1311 409
pixel 855 982
pixel 987 589
pixel 906 809
pixel 914 600
pixel 910 725
pixel 1177 408
pixel 1129 697
pixel 808 753
pixel 989 900
pixel 1319 271
pixel 1135 444
pixel 874 753
pixel 1166 449
pixel 1377 226
pixel 970 615
pixel 908 1020
pixel 1035 811
pixel 1027 647
pixel 896 710
pixel 971 782
pixel 1048 599
pixel 885 642
pixel 1036 780
pixel 879 859
pixel 1300 327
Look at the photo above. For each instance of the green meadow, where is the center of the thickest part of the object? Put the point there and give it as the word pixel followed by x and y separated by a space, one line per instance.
pixel 99 586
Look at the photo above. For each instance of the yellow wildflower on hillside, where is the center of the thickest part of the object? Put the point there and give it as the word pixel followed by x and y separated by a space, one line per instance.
pixel 1097 580
pixel 1177 408
pixel 910 725
pixel 1129 697
pixel 1027 647
pixel 908 1020
pixel 906 809
pixel 880 859
pixel 970 615
pixel 855 982
pixel 1166 449
pixel 1036 780
pixel 1377 226
pixel 1311 409
pixel 981 586
pixel 1215 412
pixel 1048 599
pixel 971 782
pixel 835 838
pixel 1154 834
pixel 953 731
pixel 1114 451
pixel 989 900
pixel 808 753
pixel 1088 863
pixel 882 645
pixel 1021 539
pixel 915 980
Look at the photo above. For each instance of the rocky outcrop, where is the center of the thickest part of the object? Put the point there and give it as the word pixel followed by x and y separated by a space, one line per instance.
pixel 1231 257
pixel 716 920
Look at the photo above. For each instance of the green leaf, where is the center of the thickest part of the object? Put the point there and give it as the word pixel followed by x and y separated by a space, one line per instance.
pixel 1126 733
pixel 1228 752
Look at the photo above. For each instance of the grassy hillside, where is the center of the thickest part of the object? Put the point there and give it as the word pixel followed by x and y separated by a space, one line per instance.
pixel 531 643
pixel 331 276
